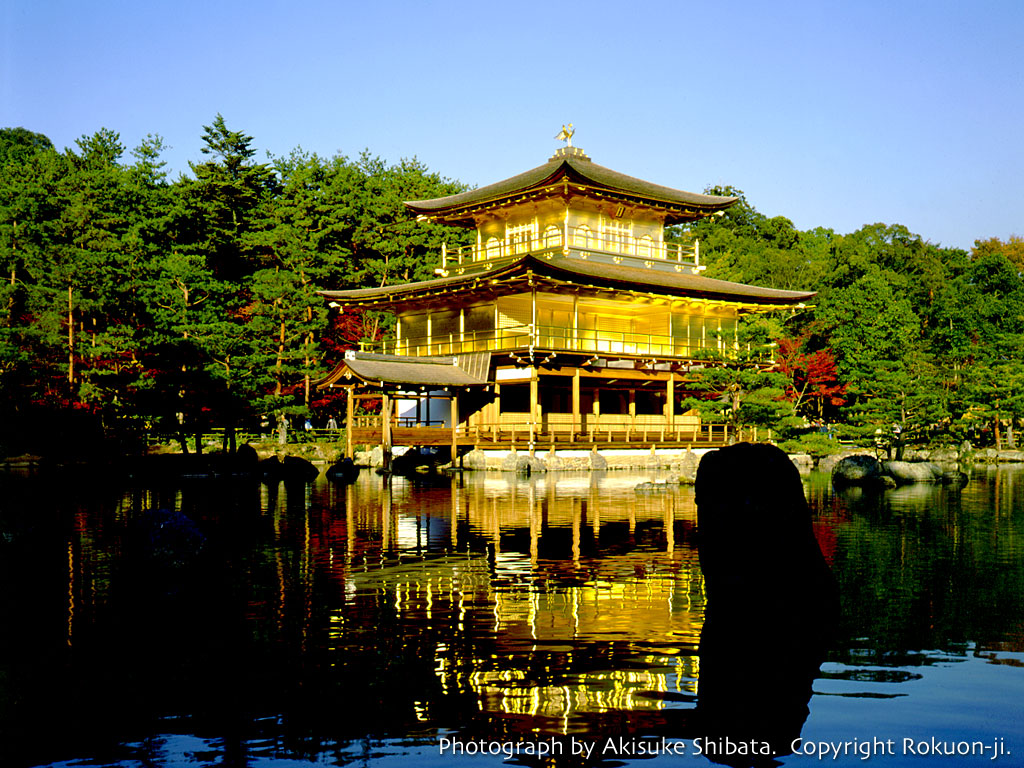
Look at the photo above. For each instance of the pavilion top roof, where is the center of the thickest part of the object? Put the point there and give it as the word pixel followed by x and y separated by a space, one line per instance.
pixel 570 172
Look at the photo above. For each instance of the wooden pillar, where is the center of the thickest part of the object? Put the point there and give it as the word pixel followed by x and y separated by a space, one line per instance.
pixel 534 333
pixel 350 410
pixel 670 402
pixel 495 412
pixel 632 410
pixel 385 437
pixel 576 322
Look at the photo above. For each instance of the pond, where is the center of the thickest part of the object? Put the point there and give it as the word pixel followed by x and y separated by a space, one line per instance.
pixel 483 620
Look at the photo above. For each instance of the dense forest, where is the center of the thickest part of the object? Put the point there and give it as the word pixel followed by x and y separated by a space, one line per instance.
pixel 132 303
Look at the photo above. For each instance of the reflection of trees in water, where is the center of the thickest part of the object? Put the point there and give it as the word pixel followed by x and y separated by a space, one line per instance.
pixel 932 567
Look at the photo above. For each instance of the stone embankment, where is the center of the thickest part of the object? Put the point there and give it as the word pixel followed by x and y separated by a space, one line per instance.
pixel 682 463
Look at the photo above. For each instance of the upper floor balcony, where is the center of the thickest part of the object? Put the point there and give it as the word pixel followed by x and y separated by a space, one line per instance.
pixel 527 339
pixel 580 242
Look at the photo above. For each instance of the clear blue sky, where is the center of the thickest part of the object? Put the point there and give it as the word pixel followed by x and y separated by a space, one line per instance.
pixel 835 114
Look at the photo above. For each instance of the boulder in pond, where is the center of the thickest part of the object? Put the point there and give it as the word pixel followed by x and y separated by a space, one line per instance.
pixel 475 459
pixel 862 470
pixel 828 463
pixel 653 486
pixel 419 459
pixel 686 467
pixel 289 468
pixel 344 471
pixel 906 472
pixel 804 462
pixel 247 457
pixel 524 463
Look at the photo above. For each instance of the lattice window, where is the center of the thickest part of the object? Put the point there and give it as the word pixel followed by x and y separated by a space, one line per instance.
pixel 520 237
pixel 645 247
pixel 552 236
pixel 514 313
pixel 618 236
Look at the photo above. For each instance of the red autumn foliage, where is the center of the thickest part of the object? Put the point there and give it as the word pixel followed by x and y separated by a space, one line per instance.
pixel 815 378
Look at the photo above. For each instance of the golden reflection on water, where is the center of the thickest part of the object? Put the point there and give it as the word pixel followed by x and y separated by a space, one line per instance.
pixel 559 579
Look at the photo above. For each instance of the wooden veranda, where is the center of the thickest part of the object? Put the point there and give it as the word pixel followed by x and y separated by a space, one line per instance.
pixel 369 430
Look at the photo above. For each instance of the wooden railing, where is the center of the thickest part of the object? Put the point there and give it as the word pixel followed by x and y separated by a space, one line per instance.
pixel 556 430
pixel 555 338
pixel 632 250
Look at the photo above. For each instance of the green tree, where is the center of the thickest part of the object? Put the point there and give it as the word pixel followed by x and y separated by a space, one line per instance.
pixel 746 390
pixel 18 144
pixel 745 246
pixel 29 209
pixel 990 344
pixel 302 241
pixel 223 201
pixel 388 245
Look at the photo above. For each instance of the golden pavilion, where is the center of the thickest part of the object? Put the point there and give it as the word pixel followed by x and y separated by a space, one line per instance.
pixel 571 323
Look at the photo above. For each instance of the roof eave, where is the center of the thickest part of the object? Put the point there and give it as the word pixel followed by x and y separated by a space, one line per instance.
pixel 713 290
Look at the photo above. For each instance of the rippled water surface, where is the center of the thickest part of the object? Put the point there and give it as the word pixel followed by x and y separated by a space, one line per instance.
pixel 240 624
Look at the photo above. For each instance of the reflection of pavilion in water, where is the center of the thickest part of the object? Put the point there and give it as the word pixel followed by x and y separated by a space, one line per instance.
pixel 565 596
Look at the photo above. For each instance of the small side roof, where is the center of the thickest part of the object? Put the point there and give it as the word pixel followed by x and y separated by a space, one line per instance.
pixel 572 166
pixel 434 371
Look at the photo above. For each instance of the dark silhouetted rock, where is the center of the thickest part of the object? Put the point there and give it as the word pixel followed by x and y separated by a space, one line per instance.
pixel 344 471
pixel 164 554
pixel 419 460
pixel 768 588
pixel 291 468
pixel 246 457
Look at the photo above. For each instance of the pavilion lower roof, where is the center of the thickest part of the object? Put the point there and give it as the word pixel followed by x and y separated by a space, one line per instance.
pixel 561 271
